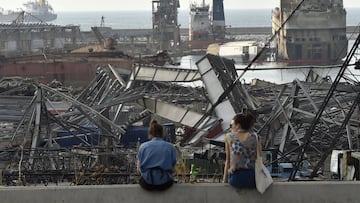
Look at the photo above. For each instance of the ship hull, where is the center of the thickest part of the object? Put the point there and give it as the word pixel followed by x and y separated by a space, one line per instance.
pixel 199 44
pixel 204 28
pixel 40 17
pixel 35 11
pixel 199 26
pixel 9 17
pixel 28 18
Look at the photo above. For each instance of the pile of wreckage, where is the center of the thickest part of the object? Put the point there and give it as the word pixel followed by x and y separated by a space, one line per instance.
pixel 50 133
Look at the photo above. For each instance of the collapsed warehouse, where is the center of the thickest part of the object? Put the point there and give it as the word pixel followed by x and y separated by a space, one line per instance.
pixel 50 133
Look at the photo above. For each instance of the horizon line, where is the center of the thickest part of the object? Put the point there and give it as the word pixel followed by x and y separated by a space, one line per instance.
pixel 181 9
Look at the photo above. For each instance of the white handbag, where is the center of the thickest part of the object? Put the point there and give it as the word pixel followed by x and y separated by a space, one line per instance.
pixel 263 177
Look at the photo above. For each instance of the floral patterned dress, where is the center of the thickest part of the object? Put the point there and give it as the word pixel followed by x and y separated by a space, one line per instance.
pixel 242 154
pixel 242 160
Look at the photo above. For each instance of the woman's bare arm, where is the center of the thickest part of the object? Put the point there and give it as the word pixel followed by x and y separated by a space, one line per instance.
pixel 138 167
pixel 227 162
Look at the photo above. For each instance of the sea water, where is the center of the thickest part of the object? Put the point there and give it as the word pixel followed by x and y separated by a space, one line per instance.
pixel 233 18
pixel 143 19
pixel 281 73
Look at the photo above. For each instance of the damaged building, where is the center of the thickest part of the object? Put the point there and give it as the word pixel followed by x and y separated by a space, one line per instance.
pixel 26 39
pixel 316 31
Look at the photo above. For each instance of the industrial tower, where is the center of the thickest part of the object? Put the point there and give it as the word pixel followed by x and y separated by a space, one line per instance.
pixel 166 33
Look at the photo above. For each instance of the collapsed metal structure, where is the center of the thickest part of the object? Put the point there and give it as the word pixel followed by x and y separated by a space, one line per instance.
pixel 36 127
pixel 304 118
pixel 286 113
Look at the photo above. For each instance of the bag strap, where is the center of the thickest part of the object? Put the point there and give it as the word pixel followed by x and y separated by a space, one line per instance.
pixel 258 147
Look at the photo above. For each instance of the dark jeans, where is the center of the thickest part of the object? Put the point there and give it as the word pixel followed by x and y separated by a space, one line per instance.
pixel 147 186
pixel 242 178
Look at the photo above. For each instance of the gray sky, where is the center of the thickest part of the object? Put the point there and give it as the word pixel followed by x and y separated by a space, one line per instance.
pixel 101 5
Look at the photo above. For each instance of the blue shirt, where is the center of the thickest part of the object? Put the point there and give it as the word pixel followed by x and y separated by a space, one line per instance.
pixel 157 159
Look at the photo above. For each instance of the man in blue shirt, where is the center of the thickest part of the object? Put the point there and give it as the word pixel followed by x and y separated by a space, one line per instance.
pixel 156 160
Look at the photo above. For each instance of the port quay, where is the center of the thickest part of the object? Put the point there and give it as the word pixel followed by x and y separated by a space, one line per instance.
pixel 184 32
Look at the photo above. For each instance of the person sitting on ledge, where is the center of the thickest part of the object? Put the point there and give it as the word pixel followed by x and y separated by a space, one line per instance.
pixel 156 160
pixel 241 152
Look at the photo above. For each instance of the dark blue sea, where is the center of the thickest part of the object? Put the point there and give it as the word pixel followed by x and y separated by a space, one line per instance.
pixel 143 19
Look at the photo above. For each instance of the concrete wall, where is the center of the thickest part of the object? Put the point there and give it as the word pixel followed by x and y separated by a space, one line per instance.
pixel 294 192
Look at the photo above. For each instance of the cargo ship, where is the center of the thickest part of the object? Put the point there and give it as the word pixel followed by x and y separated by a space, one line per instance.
pixel 199 26
pixel 39 10
pixel 35 11
pixel 8 15
pixel 316 32
pixel 206 26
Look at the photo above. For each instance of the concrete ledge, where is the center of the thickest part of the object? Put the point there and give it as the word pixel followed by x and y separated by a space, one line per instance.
pixel 294 192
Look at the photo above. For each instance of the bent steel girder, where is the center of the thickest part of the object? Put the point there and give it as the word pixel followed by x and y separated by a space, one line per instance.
pixel 181 115
pixel 314 124
pixel 337 136
pixel 89 109
pixel 143 72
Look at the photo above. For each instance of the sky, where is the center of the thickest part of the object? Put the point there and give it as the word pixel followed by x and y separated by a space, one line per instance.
pixel 115 5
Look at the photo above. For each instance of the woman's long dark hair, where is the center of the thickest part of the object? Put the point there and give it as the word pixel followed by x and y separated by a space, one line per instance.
pixel 246 120
pixel 156 130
